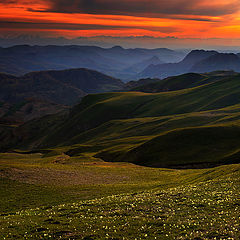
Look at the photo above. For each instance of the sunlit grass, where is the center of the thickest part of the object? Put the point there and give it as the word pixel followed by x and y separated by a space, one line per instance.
pixel 204 210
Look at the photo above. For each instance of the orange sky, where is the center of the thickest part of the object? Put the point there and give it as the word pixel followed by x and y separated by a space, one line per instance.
pixel 158 18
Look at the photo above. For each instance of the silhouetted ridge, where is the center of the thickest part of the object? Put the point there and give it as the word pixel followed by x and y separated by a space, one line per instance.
pixel 219 61
pixel 196 56
pixel 199 61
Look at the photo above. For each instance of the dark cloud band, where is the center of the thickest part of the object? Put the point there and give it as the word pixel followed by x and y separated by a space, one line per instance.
pixel 62 26
pixel 148 8
pixel 144 8
pixel 72 26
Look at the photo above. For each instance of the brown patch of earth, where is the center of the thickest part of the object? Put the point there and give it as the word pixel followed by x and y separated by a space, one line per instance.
pixel 60 177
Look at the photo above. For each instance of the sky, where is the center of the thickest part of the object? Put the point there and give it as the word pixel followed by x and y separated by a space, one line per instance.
pixel 184 22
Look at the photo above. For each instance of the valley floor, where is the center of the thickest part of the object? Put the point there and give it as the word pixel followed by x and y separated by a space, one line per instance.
pixel 61 197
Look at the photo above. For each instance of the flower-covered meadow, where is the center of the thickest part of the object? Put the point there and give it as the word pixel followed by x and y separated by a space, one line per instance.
pixel 207 210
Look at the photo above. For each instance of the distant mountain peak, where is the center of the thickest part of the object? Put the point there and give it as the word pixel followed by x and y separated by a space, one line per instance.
pixel 216 62
pixel 117 48
pixel 199 61
pixel 198 55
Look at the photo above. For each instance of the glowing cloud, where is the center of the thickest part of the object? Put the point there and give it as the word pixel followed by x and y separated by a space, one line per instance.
pixel 165 18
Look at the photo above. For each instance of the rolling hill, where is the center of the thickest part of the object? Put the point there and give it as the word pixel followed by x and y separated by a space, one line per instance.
pixel 28 109
pixel 62 87
pixel 187 80
pixel 165 129
pixel 37 94
pixel 189 148
pixel 132 85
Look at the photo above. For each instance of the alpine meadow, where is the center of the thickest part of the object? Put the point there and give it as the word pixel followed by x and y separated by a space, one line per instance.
pixel 120 120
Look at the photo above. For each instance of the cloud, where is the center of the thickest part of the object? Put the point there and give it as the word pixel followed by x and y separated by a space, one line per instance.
pixel 27 2
pixel 176 9
pixel 8 1
pixel 149 8
pixel 49 25
pixel 216 18
pixel 73 26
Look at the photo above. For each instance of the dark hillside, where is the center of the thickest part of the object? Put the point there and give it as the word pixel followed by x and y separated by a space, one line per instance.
pixel 62 87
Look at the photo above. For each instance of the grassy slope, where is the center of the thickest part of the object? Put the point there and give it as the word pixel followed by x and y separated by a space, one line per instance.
pixel 188 80
pixel 155 203
pixel 31 180
pixel 173 83
pixel 30 133
pixel 190 147
pixel 113 126
pixel 98 109
pixel 167 141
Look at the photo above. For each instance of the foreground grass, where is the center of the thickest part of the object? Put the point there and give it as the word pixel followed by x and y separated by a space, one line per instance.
pixel 32 180
pixel 61 197
pixel 206 210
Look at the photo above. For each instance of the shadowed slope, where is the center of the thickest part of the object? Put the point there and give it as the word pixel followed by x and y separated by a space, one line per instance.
pixel 63 87
pixel 190 147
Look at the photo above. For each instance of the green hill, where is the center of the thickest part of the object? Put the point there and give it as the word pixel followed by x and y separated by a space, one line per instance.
pixel 143 128
pixel 95 110
pixel 187 80
pixel 189 147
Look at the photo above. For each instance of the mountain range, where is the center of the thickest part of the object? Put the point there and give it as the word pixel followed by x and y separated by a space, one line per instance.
pixel 116 61
pixel 198 61
pixel 121 63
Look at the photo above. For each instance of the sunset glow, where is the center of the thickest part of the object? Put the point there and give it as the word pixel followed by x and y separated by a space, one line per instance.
pixel 199 19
